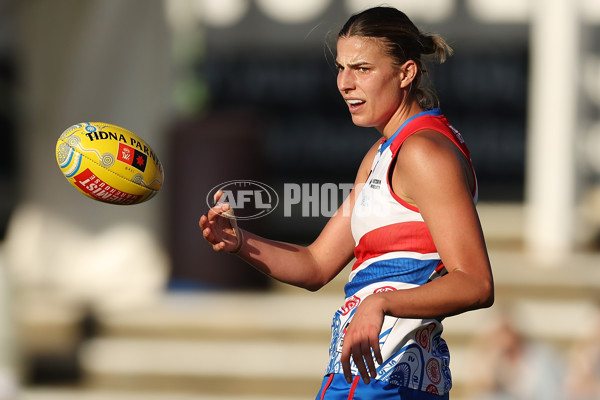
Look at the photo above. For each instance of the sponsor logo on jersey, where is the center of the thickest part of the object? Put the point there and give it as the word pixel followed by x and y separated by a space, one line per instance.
pixel 350 304
pixel 375 183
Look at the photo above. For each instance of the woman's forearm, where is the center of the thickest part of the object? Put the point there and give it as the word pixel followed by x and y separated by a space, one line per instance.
pixel 289 263
pixel 452 294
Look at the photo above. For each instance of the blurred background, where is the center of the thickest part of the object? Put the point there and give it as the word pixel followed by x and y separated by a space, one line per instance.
pixel 100 301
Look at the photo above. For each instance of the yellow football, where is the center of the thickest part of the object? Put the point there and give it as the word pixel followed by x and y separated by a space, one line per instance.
pixel 109 163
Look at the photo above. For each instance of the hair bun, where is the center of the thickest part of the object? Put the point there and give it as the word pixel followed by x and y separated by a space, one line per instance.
pixel 432 43
pixel 427 43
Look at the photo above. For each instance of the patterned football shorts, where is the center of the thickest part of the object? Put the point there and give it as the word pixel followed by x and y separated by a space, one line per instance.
pixel 335 387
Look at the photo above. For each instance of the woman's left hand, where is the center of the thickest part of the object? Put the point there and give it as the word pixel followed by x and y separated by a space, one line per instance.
pixel 361 341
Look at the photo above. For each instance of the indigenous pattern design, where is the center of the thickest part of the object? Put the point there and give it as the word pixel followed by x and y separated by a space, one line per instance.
pixel 395 251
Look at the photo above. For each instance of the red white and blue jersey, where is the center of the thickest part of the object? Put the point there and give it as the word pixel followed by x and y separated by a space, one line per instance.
pixel 394 251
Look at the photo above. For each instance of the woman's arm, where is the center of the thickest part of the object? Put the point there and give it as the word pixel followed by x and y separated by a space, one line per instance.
pixel 309 267
pixel 431 174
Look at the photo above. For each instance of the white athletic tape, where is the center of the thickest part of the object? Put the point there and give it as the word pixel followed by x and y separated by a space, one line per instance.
pixel 230 215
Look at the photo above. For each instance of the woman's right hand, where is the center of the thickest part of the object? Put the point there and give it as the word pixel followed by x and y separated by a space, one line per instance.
pixel 219 227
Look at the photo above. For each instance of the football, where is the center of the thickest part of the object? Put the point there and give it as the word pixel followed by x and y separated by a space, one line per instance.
pixel 108 163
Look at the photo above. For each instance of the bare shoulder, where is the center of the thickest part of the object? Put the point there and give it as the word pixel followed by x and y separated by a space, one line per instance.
pixel 428 143
pixel 429 158
pixel 430 152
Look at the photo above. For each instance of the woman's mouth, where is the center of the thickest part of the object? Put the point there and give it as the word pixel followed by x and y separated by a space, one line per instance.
pixel 354 104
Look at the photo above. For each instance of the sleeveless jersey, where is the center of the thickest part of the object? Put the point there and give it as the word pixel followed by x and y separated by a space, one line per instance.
pixel 394 251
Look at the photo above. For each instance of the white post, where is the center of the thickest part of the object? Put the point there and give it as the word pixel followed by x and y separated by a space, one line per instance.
pixel 551 171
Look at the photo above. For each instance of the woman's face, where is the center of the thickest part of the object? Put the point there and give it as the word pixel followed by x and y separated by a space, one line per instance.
pixel 369 82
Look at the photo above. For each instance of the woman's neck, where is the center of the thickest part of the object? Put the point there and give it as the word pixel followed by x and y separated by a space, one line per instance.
pixel 403 113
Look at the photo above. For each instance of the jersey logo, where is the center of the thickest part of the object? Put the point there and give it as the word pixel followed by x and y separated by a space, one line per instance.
pixel 375 184
pixel 350 304
pixel 457 134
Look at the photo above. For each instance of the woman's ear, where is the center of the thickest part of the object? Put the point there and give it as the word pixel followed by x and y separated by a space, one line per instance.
pixel 408 72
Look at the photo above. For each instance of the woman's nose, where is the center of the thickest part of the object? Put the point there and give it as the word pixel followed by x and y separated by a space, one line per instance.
pixel 345 81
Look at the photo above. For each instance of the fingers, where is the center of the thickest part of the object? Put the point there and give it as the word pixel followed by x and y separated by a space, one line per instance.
pixel 370 360
pixel 203 222
pixel 377 352
pixel 223 209
pixel 346 352
pixel 362 349
pixel 219 226
pixel 217 196
pixel 363 360
pixel 217 245
pixel 218 210
pixel 358 356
